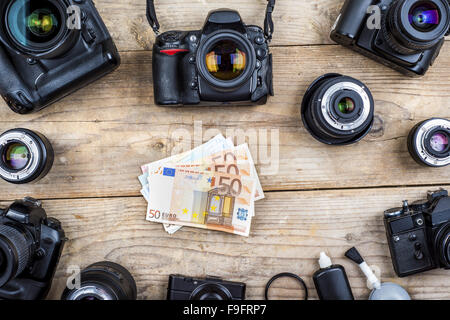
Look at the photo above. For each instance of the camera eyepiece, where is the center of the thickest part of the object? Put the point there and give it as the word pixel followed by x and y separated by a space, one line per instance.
pixel 103 281
pixel 14 253
pixel 25 156
pixel 337 109
pixel 428 142
pixel 414 25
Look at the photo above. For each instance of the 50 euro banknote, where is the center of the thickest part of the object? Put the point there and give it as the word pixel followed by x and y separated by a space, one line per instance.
pixel 208 200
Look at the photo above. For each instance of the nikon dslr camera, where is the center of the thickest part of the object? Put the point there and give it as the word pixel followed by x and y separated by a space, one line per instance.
pixel 211 288
pixel 227 61
pixel 30 248
pixel 49 49
pixel 406 35
pixel 419 234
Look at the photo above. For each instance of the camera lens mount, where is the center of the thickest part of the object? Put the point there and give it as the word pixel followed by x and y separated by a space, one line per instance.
pixel 428 142
pixel 337 109
pixel 226 60
pixel 25 156
pixel 415 25
pixel 103 281
pixel 14 253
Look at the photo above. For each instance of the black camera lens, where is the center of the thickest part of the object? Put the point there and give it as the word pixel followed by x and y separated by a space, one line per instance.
pixel 226 60
pixel 415 25
pixel 337 109
pixel 103 281
pixel 210 291
pixel 424 16
pixel 35 24
pixel 14 253
pixel 428 142
pixel 25 156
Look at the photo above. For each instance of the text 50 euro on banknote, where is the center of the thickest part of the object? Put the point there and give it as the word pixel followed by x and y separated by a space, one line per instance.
pixel 208 200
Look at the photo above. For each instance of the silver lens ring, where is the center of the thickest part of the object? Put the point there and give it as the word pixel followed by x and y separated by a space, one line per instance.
pixel 90 292
pixel 421 136
pixel 327 104
pixel 34 155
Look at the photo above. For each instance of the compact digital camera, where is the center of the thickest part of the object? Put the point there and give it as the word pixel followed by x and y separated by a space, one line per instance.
pixel 419 234
pixel 406 35
pixel 30 248
pixel 227 61
pixel 49 49
pixel 211 288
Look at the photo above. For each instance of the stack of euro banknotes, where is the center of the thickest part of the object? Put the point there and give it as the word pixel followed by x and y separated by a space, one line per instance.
pixel 213 186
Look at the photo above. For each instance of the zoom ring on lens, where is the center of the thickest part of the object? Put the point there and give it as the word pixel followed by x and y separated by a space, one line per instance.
pixel 19 249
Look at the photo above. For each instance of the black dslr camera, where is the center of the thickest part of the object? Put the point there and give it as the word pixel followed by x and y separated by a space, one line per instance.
pixel 419 234
pixel 30 248
pixel 226 61
pixel 49 49
pixel 211 288
pixel 406 35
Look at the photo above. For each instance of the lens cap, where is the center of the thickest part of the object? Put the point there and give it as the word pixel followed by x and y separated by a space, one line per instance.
pixel 337 109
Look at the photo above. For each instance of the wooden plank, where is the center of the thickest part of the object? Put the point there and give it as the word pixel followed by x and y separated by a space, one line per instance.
pixel 103 133
pixel 288 233
pixel 296 22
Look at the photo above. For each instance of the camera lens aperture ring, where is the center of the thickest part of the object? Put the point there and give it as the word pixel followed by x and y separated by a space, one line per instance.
pixel 419 142
pixel 15 249
pixel 34 147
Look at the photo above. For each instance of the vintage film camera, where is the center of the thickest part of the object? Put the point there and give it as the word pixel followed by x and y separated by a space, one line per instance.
pixel 42 59
pixel 227 61
pixel 409 36
pixel 30 248
pixel 211 288
pixel 419 234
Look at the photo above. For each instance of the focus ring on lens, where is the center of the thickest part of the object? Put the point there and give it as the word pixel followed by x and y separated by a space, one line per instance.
pixel 16 250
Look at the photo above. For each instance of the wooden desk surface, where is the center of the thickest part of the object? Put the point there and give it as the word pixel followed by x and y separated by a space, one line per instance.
pixel 322 198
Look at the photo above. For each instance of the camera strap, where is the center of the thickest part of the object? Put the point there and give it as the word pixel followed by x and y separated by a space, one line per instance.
pixel 268 21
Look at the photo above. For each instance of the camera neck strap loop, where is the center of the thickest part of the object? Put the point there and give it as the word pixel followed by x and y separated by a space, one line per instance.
pixel 268 21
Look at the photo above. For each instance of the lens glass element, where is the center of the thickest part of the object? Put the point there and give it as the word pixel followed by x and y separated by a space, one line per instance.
pixel 346 105
pixel 226 60
pixel 34 22
pixel 424 16
pixel 15 156
pixel 439 142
